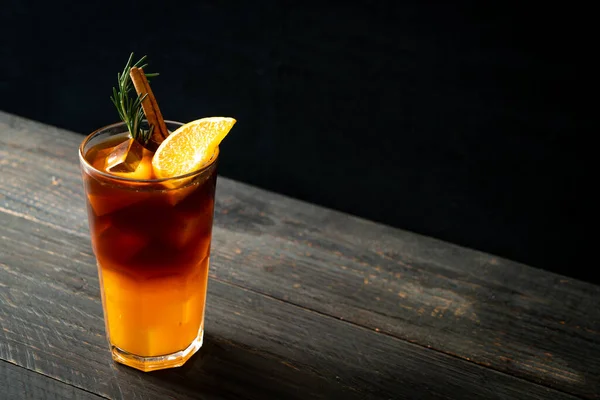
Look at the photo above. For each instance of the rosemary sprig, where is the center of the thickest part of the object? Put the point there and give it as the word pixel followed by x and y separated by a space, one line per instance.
pixel 130 110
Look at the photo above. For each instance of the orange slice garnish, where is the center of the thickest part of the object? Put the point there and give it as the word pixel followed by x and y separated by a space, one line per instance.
pixel 190 147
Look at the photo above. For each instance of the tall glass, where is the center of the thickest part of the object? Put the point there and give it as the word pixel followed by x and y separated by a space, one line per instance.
pixel 151 238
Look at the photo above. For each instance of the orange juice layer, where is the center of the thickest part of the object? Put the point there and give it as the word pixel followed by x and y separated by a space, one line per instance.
pixel 157 315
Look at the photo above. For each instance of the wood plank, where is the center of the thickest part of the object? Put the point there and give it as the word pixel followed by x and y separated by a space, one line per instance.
pixel 507 316
pixel 497 313
pixel 20 383
pixel 256 346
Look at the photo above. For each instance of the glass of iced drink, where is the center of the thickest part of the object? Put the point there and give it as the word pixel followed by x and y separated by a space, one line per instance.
pixel 150 190
pixel 151 238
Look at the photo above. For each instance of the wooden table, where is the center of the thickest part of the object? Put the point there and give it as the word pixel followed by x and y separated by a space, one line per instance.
pixel 303 302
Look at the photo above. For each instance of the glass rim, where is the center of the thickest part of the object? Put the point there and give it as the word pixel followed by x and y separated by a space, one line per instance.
pixel 117 178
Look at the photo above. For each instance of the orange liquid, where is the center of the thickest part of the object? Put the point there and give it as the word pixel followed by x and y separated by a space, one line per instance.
pixel 152 245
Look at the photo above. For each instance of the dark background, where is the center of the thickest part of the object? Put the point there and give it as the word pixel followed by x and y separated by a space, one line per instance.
pixel 463 121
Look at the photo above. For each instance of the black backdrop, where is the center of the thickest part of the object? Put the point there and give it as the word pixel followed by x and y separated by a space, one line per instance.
pixel 459 121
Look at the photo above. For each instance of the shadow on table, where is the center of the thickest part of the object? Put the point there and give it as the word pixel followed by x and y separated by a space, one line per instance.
pixel 225 369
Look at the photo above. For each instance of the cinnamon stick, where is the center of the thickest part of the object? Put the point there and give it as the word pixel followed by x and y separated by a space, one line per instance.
pixel 150 106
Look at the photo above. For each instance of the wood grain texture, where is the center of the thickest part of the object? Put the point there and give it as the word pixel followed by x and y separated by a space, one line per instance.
pixel 52 323
pixel 256 346
pixel 513 318
pixel 490 311
pixel 19 383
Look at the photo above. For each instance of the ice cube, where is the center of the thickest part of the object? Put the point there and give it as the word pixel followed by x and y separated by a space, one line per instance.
pixel 175 196
pixel 192 227
pixel 125 157
pixel 113 200
pixel 117 246
pixel 105 198
pixel 179 189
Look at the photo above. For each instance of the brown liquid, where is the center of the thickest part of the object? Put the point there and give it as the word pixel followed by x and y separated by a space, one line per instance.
pixel 152 244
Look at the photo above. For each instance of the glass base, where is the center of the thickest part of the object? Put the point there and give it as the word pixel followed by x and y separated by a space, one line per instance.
pixel 147 364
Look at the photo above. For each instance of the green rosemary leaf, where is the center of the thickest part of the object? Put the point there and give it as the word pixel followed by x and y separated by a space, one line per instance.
pixel 130 109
